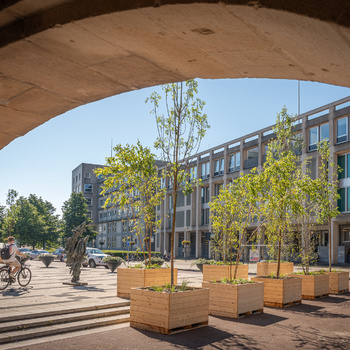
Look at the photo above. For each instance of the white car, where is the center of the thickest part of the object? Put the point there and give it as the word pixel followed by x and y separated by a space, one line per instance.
pixel 95 257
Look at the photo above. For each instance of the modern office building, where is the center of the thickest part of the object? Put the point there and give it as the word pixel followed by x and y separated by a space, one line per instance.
pixel 85 181
pixel 220 165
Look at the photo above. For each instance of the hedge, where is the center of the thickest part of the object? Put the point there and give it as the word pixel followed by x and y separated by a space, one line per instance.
pixel 122 253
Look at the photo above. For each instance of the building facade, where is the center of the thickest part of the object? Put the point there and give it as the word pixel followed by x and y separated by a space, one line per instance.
pixel 218 167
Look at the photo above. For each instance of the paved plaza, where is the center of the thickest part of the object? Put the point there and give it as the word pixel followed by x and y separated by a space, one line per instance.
pixel 319 324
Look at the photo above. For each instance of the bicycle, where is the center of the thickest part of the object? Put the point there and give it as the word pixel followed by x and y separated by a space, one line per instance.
pixel 23 275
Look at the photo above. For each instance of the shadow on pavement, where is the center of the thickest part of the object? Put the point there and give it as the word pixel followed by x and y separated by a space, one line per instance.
pixel 16 292
pixel 262 320
pixel 199 338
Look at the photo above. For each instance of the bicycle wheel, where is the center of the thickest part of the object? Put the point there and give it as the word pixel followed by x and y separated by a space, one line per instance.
pixel 24 276
pixel 4 279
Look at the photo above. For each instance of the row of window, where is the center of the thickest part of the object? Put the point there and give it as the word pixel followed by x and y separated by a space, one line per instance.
pixel 321 132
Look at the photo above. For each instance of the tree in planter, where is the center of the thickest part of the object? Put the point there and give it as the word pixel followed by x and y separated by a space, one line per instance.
pixel 132 182
pixel 180 133
pixel 281 191
pixel 326 194
pixel 231 213
pixel 305 221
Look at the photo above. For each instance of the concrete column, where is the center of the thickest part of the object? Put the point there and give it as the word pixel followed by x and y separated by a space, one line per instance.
pixel 198 244
pixel 335 240
pixel 260 151
pixel 226 160
pixel 176 245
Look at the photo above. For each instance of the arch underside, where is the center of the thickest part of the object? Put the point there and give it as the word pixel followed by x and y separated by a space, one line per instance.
pixel 48 72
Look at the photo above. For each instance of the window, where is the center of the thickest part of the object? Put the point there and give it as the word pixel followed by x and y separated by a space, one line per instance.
pixel 324 132
pixel 193 173
pixel 342 130
pixel 205 216
pixel 342 166
pixel 219 167
pixel 89 214
pixel 217 189
pixel 341 200
pixel 317 134
pixel 235 162
pixel 88 188
pixel 88 201
pixel 205 172
pixel 313 138
pixel 205 194
pixel 87 175
pixel 251 158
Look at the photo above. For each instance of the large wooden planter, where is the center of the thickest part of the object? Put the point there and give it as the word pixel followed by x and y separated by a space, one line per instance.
pixel 314 286
pixel 169 313
pixel 338 282
pixel 132 278
pixel 235 300
pixel 217 272
pixel 266 268
pixel 281 292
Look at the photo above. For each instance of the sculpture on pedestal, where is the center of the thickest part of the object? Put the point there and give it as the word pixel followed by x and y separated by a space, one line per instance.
pixel 76 250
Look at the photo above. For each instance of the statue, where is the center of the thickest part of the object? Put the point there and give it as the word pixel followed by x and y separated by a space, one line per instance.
pixel 76 250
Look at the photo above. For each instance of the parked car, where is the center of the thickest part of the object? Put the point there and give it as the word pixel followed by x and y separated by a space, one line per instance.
pixel 35 253
pixel 59 254
pixel 95 257
pixel 24 250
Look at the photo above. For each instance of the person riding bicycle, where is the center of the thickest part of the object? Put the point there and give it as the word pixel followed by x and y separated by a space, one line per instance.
pixel 12 261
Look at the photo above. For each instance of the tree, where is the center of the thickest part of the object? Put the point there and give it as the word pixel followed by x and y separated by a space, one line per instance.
pixel 74 212
pixel 9 215
pixel 326 194
pixel 29 224
pixel 46 210
pixel 232 212
pixel 305 220
pixel 131 181
pixel 180 133
pixel 282 191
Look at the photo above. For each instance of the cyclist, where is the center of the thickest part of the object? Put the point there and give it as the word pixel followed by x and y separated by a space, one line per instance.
pixel 13 261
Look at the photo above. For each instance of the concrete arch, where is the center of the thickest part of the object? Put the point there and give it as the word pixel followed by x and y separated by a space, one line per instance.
pixel 56 55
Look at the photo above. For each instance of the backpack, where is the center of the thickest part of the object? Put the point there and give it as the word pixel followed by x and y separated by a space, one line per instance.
pixel 5 252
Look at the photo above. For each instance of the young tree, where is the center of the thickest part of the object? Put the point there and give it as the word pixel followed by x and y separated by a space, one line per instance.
pixel 131 181
pixel 232 212
pixel 282 192
pixel 74 214
pixel 305 220
pixel 326 195
pixel 180 133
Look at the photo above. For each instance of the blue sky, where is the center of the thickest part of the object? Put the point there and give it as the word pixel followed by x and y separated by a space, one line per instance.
pixel 41 162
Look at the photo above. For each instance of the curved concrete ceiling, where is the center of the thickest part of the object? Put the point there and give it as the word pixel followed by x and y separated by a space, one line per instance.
pixel 56 55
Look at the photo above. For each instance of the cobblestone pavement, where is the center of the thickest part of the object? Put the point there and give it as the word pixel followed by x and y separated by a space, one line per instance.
pixel 319 324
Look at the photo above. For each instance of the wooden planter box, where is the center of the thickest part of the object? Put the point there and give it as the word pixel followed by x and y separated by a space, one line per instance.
pixel 235 300
pixel 132 278
pixel 338 282
pixel 217 272
pixel 314 286
pixel 169 313
pixel 282 292
pixel 266 268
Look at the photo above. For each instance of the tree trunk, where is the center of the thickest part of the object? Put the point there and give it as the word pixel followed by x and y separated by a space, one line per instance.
pixel 279 253
pixel 173 232
pixel 329 246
